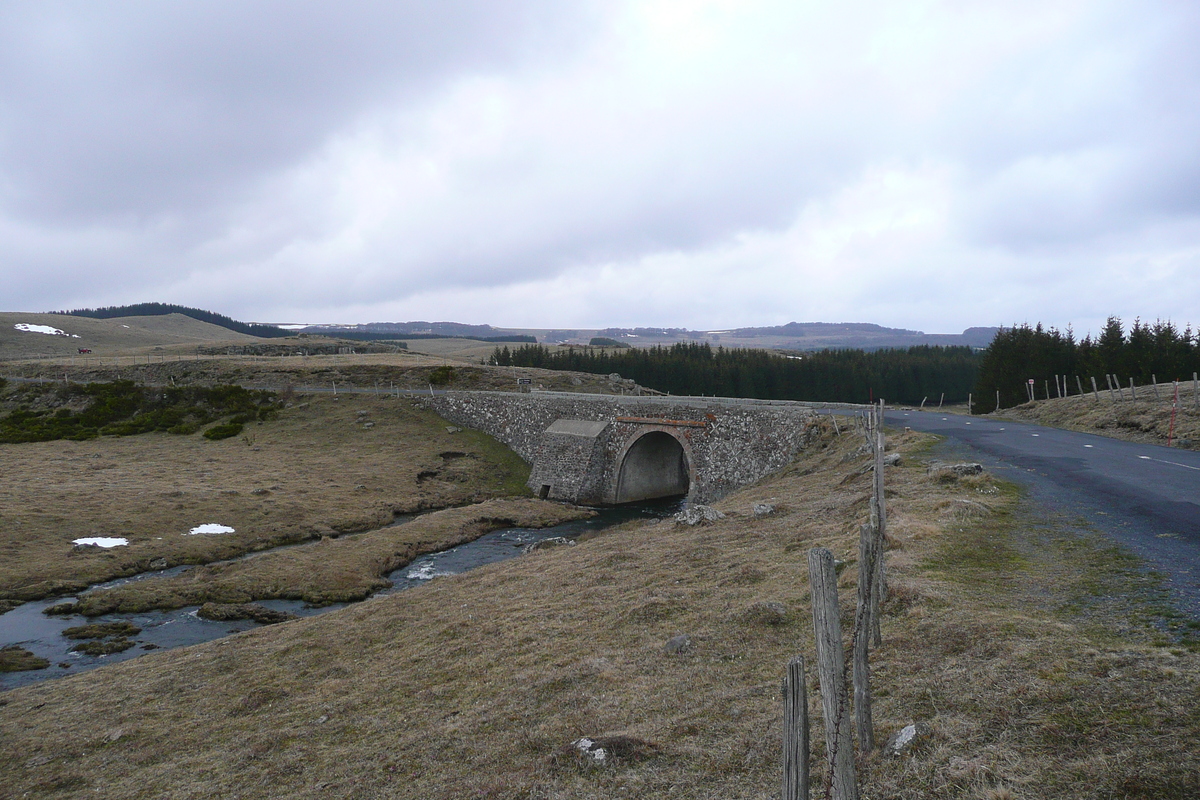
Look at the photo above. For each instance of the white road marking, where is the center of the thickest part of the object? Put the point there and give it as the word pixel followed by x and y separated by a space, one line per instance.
pixel 1089 445
pixel 1036 434
pixel 1172 463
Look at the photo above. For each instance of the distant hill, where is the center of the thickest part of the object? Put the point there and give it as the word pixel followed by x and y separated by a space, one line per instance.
pixel 31 335
pixel 408 329
pixel 808 336
pixel 792 336
pixel 162 309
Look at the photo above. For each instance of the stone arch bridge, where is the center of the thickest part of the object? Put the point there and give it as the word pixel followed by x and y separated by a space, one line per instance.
pixel 604 449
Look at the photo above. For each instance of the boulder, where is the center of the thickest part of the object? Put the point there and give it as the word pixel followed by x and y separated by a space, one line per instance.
pixel 602 751
pixel 763 509
pixel 906 739
pixel 958 470
pixel 698 515
pixel 547 544
pixel 158 563
pixel 678 644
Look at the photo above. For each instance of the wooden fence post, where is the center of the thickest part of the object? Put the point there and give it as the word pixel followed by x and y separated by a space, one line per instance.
pixel 831 669
pixel 1195 393
pixel 795 732
pixel 863 723
pixel 1132 390
pixel 997 399
pixel 1079 383
pixel 1154 381
pixel 969 404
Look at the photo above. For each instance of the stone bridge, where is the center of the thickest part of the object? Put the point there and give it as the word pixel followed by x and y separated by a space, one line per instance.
pixel 605 449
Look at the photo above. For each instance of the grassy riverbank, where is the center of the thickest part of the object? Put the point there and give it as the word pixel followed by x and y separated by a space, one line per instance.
pixel 326 466
pixel 1034 680
pixel 332 570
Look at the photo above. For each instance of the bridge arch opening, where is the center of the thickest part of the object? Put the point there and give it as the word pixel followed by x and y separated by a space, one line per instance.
pixel 655 465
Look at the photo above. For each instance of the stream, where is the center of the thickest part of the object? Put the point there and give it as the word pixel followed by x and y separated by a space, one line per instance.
pixel 41 634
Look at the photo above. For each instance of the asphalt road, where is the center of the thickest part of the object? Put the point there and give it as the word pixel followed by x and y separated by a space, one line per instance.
pixel 1147 497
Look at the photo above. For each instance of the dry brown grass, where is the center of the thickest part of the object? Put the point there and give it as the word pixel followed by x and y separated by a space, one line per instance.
pixel 362 371
pixel 1146 420
pixel 319 470
pixel 108 336
pixel 472 686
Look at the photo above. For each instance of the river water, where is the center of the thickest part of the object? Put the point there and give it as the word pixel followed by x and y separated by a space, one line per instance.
pixel 41 634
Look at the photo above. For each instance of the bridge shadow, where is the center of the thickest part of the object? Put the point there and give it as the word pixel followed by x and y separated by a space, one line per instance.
pixel 655 466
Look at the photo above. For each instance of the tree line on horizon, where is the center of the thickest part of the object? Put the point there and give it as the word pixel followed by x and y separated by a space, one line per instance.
pixel 1147 352
pixel 852 376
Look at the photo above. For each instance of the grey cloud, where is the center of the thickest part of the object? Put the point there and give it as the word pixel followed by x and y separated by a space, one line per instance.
pixel 135 110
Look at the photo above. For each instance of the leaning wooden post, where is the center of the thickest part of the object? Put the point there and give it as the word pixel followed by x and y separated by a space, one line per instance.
pixel 1132 388
pixel 997 399
pixel 1154 381
pixel 795 732
pixel 1095 391
pixel 879 524
pixel 863 724
pixel 831 669
pixel 1079 383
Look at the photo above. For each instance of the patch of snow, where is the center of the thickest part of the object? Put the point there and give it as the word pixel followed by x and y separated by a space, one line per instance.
pixel 210 527
pixel 425 572
pixel 25 326
pixel 102 541
pixel 124 326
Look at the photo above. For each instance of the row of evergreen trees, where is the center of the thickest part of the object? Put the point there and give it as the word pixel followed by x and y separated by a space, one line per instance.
pixel 1147 352
pixel 854 376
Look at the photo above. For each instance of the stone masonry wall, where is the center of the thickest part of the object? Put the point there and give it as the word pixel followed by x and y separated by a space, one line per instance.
pixel 739 443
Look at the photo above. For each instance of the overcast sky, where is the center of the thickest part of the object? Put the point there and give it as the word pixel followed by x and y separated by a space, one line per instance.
pixel 545 163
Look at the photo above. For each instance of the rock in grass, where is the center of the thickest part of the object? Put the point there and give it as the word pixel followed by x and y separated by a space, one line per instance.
pixel 18 659
pixel 604 751
pixel 226 612
pixel 678 644
pixel 763 509
pixel 698 515
pixel 952 472
pixel 906 739
pixel 889 460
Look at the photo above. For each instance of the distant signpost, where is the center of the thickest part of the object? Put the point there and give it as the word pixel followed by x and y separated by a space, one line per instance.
pixel 524 381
